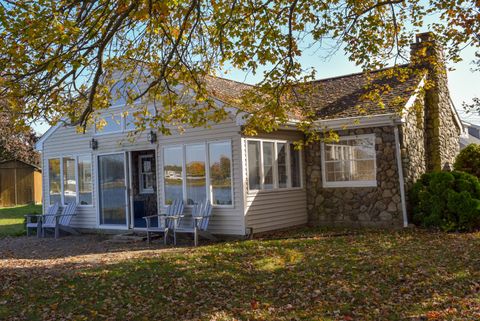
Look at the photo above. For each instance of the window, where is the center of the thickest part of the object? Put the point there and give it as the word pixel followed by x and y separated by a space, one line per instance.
pixel 84 180
pixel 200 182
pixel 273 165
pixel 173 173
pixel 54 184
pixel 146 174
pixel 350 162
pixel 254 165
pixel 195 169
pixel 220 155
pixel 295 166
pixel 70 180
pixel 130 120
pixel 268 164
pixel 112 124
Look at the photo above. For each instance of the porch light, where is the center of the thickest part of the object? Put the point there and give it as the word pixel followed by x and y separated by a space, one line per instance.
pixel 152 137
pixel 93 144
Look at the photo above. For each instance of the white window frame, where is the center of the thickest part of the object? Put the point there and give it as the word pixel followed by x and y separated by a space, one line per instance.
pixel 368 183
pixel 141 173
pixel 62 190
pixel 207 171
pixel 275 167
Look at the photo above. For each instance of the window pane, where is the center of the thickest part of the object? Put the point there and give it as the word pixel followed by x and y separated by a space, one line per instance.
pixel 282 165
pixel 147 175
pixel 253 165
pixel 220 173
pixel 172 167
pixel 112 186
pixel 351 160
pixel 196 179
pixel 130 121
pixel 85 180
pixel 54 180
pixel 69 181
pixel 268 163
pixel 295 166
pixel 113 123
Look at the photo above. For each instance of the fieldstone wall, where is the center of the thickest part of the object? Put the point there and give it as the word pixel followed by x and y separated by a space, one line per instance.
pixel 356 206
pixel 412 134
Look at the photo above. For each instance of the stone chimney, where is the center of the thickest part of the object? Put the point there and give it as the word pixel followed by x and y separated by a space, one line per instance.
pixel 441 131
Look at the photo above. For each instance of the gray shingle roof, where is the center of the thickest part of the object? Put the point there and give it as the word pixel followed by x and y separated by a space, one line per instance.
pixel 339 97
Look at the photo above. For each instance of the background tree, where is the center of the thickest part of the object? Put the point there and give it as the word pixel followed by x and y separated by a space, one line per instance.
pixel 17 142
pixel 58 56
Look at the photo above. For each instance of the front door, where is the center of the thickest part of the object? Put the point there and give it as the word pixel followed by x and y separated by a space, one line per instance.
pixel 143 187
pixel 112 190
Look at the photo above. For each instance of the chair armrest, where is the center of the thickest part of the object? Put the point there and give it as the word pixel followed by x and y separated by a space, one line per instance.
pixel 175 217
pixel 32 215
pixel 151 216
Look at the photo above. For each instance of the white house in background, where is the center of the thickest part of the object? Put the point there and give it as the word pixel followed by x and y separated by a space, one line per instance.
pixel 262 183
pixel 470 135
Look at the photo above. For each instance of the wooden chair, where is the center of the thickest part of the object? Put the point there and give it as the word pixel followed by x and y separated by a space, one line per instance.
pixel 201 214
pixel 60 221
pixel 52 210
pixel 166 221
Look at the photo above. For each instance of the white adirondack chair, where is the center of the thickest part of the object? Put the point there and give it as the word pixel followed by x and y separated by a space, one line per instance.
pixel 166 221
pixel 201 214
pixel 60 221
pixel 52 210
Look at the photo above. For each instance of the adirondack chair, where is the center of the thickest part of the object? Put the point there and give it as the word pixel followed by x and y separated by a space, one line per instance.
pixel 201 214
pixel 52 210
pixel 61 221
pixel 167 221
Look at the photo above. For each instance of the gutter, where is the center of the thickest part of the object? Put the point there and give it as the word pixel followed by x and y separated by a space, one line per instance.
pixel 400 177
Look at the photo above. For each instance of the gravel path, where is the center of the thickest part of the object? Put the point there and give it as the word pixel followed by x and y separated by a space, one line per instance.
pixel 69 253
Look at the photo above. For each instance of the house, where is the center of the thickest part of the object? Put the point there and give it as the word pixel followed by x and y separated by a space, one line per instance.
pixel 470 135
pixel 262 183
pixel 20 183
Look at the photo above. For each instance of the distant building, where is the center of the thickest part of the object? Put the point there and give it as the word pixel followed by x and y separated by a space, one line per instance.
pixel 20 183
pixel 470 135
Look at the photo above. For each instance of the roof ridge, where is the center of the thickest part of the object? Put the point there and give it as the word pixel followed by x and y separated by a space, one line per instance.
pixel 356 73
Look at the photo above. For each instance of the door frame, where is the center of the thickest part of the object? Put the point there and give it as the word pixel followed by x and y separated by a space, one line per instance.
pixel 97 183
pixel 131 220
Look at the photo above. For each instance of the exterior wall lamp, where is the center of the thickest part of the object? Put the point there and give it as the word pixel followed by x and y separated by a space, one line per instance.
pixel 152 137
pixel 94 144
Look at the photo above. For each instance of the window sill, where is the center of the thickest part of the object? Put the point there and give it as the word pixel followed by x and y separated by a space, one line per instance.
pixel 352 184
pixel 276 190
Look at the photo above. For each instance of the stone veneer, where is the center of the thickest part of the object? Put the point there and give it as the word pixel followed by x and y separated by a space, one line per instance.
pixel 356 206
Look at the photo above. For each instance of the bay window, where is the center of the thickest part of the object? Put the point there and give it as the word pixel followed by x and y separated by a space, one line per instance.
pixel 350 162
pixel 273 165
pixel 198 172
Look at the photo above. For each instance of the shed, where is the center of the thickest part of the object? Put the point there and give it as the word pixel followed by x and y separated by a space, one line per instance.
pixel 20 183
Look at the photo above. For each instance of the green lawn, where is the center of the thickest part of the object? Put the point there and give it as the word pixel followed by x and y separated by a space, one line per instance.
pixel 308 275
pixel 11 219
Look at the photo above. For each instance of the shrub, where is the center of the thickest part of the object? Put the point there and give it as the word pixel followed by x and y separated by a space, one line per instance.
pixel 447 200
pixel 469 160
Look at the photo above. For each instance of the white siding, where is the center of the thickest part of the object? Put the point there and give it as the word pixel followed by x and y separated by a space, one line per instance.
pixel 274 209
pixel 66 141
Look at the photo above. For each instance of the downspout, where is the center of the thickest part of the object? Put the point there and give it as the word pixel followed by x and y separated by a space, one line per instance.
pixel 400 177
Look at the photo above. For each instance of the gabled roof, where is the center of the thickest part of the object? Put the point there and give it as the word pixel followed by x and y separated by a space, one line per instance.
pixel 20 161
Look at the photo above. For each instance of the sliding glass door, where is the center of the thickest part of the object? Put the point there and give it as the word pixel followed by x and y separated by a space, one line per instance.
pixel 112 189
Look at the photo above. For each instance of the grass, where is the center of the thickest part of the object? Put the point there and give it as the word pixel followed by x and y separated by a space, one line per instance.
pixel 12 218
pixel 307 275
